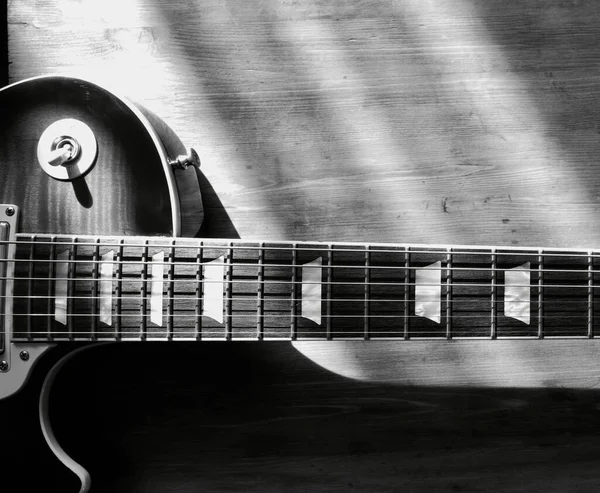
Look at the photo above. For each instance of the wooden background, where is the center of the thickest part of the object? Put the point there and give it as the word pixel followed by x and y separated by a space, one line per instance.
pixel 469 121
pixel 428 121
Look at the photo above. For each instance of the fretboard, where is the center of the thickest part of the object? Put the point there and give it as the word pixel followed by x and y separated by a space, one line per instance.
pixel 132 288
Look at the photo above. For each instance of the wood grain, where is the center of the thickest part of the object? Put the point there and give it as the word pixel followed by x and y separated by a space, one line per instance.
pixel 452 122
pixel 3 46
pixel 250 417
pixel 127 160
pixel 463 121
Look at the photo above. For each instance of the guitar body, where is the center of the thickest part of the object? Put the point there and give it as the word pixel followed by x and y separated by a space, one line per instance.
pixel 280 417
pixel 126 191
pixel 130 190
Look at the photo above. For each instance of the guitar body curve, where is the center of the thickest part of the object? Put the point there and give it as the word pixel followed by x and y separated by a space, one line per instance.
pixel 130 189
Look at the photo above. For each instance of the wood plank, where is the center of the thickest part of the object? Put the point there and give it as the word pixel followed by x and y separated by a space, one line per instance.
pixel 464 121
pixel 470 121
pixel 288 426
pixel 3 45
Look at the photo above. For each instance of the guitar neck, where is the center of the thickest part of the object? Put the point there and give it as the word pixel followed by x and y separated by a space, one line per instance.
pixel 130 288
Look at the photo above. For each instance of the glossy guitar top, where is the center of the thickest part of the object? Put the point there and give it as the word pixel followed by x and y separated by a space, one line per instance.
pixel 126 192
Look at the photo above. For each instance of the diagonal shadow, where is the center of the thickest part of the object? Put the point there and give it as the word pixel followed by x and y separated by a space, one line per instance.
pixel 448 140
pixel 553 50
pixel 242 417
pixel 3 44
pixel 295 174
pixel 207 219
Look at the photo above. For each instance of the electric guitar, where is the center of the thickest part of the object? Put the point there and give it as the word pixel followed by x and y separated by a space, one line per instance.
pixel 97 204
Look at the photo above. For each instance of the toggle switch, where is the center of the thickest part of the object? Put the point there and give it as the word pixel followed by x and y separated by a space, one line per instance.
pixel 67 149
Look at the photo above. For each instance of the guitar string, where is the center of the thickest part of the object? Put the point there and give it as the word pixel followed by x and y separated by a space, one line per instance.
pixel 284 334
pixel 253 314
pixel 278 282
pixel 263 266
pixel 319 247
pixel 381 335
pixel 253 298
pixel 226 264
pixel 131 336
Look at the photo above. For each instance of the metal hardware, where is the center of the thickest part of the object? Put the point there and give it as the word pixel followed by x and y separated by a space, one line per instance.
pixel 185 160
pixel 24 355
pixel 67 149
pixel 8 226
pixel 3 365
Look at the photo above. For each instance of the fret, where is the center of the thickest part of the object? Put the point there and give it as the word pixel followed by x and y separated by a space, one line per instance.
pixel 367 318
pixel 246 303
pixel 407 294
pixel 23 306
pixel 540 327
pixel 590 296
pixel 449 294
pixel 144 293
pixel 170 291
pixel 260 304
pixel 95 290
pixel 181 280
pixel 119 291
pixel 595 304
pixel 51 276
pixel 279 294
pixel 294 295
pixel 128 290
pixel 30 274
pixel 199 293
pixel 71 289
pixel 564 310
pixel 229 293
pixel 328 292
pixel 494 294
pixel 388 305
pixel 346 295
pixel 32 306
pixel 84 290
pixel 470 301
